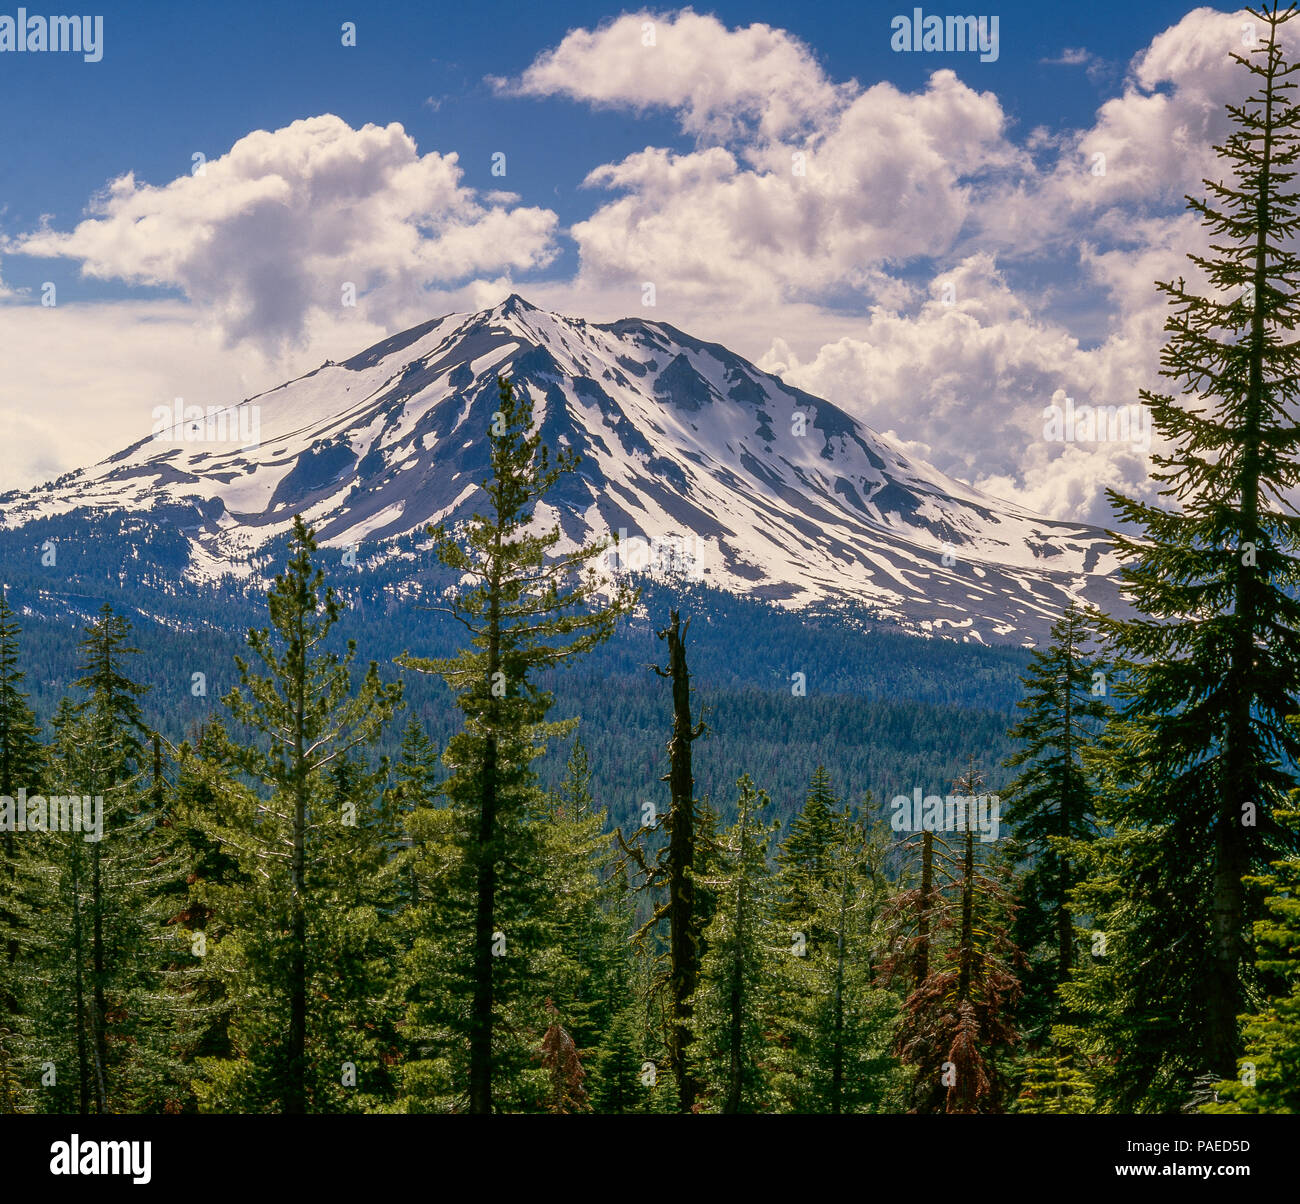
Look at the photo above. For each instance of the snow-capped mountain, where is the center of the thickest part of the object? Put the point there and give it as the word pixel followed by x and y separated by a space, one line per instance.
pixel 750 485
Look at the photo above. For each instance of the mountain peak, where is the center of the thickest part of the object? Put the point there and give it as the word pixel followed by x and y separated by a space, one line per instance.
pixel 514 304
pixel 762 488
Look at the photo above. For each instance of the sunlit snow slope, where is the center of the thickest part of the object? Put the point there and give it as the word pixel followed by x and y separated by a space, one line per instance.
pixel 771 491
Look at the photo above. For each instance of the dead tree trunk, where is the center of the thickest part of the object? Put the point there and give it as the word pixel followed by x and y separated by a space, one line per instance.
pixel 683 937
pixel 924 904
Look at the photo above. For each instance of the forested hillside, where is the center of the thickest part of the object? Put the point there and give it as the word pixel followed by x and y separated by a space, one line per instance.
pixel 885 712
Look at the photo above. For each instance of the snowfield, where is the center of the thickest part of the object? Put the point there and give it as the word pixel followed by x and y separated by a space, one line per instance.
pixel 775 492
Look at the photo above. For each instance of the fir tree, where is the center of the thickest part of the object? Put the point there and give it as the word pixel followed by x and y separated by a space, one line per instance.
pixel 620 1065
pixel 1053 1084
pixel 1268 1078
pixel 1198 761
pixel 585 967
pixel 204 1028
pixel 803 857
pixel 526 612
pixel 435 932
pixel 22 766
pixel 109 949
pixel 416 774
pixel 305 947
pixel 21 755
pixel 733 1000
pixel 416 770
pixel 1052 805
pixel 837 1022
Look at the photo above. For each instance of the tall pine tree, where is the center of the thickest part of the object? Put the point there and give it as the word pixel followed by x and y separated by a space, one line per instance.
pixel 835 1022
pixel 22 767
pixel 109 945
pixel 1198 760
pixel 526 611
pixel 1051 805
pixel 304 946
pixel 734 998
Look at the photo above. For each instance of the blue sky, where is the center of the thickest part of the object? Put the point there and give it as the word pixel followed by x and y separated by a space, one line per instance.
pixel 927 171
pixel 181 78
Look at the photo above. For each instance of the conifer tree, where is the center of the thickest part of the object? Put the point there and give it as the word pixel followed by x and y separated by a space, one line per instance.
pixel 585 967
pixel 416 780
pixel 360 940
pixel 958 1024
pixel 803 861
pixel 526 612
pixel 416 770
pixel 203 1028
pixel 420 868
pixel 304 948
pixel 1052 805
pixel 734 996
pixel 21 755
pixel 435 933
pixel 1269 1070
pixel 1268 1078
pixel 22 767
pixel 620 1065
pixel 1198 761
pixel 706 865
pixel 803 856
pixel 836 1021
pixel 105 745
pixel 109 946
pixel 1053 1083
pixel 563 1064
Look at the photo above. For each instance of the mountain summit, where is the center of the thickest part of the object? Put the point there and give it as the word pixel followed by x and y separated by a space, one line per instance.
pixel 764 489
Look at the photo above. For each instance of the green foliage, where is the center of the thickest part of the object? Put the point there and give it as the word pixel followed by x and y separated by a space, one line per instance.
pixel 1051 805
pixel 277 920
pixel 1200 757
pixel 735 996
pixel 1268 1078
pixel 525 612
pixel 803 857
pixel 108 950
pixel 1054 1083
pixel 22 768
pixel 302 938
pixel 586 968
pixel 834 1024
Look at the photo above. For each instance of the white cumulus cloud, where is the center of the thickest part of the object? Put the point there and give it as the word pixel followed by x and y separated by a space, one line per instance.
pixel 269 234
